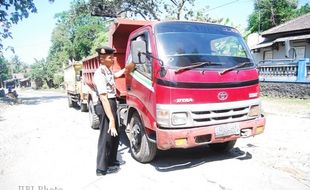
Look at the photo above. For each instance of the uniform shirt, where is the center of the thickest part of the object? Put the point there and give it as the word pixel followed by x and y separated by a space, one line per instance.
pixel 104 81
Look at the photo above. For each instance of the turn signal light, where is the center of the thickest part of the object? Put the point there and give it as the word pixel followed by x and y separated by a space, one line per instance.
pixel 259 129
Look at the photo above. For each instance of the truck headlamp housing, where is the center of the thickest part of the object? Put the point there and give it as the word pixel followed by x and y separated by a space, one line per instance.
pixel 179 118
pixel 163 117
pixel 254 111
pixel 167 118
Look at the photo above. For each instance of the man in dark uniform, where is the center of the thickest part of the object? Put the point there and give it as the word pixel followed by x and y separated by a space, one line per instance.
pixel 108 139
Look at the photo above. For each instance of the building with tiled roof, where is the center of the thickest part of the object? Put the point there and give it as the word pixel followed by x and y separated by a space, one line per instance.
pixel 290 40
pixel 296 26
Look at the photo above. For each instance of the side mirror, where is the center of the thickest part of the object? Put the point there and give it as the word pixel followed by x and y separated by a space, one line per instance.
pixel 138 52
pixel 162 71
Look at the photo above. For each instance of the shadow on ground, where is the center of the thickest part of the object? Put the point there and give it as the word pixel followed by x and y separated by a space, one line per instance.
pixel 124 143
pixel 39 99
pixel 178 159
pixel 30 100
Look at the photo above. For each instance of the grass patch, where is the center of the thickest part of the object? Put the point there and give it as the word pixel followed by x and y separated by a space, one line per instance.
pixel 286 106
pixel 305 102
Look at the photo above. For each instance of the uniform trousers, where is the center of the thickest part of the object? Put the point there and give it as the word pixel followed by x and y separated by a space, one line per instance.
pixel 107 144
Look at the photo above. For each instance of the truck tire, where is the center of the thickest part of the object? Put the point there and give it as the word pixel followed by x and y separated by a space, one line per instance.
pixel 84 107
pixel 74 104
pixel 223 147
pixel 93 118
pixel 70 103
pixel 142 149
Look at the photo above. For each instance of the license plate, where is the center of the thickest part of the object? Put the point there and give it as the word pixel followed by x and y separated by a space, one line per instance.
pixel 226 130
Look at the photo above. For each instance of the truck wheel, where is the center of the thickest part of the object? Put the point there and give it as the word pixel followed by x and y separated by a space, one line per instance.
pixel 223 147
pixel 70 103
pixel 141 148
pixel 93 118
pixel 74 104
pixel 84 107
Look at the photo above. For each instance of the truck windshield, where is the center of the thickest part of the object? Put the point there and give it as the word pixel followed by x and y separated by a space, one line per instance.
pixel 181 44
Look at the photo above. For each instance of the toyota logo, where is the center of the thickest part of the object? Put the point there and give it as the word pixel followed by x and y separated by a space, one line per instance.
pixel 222 96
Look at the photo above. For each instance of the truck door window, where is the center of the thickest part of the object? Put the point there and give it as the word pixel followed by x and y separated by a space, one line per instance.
pixel 146 67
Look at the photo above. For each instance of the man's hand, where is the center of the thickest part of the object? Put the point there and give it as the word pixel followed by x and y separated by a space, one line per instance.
pixel 129 68
pixel 112 129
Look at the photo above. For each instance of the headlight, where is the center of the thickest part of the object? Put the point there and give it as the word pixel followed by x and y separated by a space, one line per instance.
pixel 162 117
pixel 254 111
pixel 179 118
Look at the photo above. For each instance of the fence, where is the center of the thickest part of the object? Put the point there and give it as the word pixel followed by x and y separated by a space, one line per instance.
pixel 285 71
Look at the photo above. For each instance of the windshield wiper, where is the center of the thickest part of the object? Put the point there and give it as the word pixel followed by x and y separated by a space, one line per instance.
pixel 235 67
pixel 195 65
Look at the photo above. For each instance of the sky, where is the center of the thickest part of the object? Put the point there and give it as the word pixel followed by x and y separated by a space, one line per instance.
pixel 31 36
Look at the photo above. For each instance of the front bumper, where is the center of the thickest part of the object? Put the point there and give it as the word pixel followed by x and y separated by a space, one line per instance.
pixel 191 137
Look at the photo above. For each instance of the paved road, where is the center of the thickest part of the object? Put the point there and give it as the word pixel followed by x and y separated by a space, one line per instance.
pixel 46 145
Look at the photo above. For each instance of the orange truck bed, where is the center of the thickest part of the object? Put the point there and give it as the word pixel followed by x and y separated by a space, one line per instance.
pixel 118 38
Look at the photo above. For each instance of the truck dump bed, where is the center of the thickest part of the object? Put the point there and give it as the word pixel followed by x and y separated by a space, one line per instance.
pixel 118 38
pixel 70 77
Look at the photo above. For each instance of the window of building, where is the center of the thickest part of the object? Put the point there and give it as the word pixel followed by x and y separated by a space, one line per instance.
pixel 300 52
pixel 267 55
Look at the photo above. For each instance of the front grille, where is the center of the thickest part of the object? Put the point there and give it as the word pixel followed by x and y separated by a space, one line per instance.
pixel 211 117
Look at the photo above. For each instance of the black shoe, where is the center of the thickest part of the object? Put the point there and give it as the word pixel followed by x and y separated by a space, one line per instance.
pixel 117 163
pixel 108 171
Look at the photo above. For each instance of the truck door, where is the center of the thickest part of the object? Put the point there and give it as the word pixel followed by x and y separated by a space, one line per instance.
pixel 139 84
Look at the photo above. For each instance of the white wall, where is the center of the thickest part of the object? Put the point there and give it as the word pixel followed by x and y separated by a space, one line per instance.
pixel 280 54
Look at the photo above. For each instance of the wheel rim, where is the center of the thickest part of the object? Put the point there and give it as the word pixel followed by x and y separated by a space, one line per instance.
pixel 136 137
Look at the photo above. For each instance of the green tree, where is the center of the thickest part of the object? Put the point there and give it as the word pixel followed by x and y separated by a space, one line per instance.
pixel 75 36
pixel 175 9
pixel 303 10
pixel 4 70
pixel 75 33
pixel 16 64
pixel 101 39
pixel 84 39
pixel 12 12
pixel 152 10
pixel 270 13
pixel 43 73
pixel 127 8
pixel 202 15
pixel 37 73
pixel 61 47
pixel 148 10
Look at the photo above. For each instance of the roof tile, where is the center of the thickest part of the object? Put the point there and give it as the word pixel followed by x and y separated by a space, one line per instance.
pixel 299 23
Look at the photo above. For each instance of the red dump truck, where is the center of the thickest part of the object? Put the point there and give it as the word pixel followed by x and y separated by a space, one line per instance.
pixel 193 84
